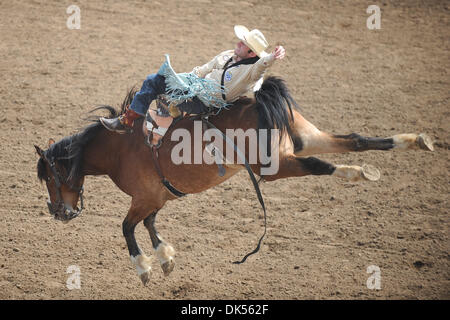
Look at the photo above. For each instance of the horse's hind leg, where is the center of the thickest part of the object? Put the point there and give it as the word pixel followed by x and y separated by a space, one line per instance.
pixel 407 141
pixel 328 143
pixel 404 141
pixel 292 166
pixel 164 251
pixel 308 140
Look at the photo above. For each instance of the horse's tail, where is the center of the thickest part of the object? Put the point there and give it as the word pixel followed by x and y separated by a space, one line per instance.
pixel 274 104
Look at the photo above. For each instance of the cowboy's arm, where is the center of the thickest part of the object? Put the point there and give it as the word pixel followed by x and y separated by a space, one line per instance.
pixel 264 63
pixel 202 71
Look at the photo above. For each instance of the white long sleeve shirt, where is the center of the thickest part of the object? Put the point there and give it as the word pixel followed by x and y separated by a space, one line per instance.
pixel 238 80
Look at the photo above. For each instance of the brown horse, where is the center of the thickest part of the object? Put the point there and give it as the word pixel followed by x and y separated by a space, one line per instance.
pixel 127 161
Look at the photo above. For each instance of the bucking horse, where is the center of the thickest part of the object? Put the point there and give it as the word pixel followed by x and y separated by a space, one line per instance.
pixel 126 159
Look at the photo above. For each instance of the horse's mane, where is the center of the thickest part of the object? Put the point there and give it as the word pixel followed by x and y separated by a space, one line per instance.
pixel 69 150
pixel 274 105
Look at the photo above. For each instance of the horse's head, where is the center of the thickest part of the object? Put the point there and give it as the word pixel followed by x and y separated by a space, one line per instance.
pixel 64 191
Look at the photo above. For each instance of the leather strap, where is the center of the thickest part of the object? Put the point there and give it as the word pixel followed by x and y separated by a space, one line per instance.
pixel 227 66
pixel 255 185
pixel 164 181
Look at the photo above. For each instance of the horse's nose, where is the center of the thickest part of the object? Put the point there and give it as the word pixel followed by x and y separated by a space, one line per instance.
pixel 58 212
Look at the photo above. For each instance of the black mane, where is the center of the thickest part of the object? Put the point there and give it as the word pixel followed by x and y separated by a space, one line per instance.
pixel 274 104
pixel 68 152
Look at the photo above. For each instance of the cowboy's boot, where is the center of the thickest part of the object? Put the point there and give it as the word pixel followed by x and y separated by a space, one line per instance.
pixel 121 124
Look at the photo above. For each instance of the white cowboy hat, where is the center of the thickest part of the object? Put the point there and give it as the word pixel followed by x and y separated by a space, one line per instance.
pixel 254 39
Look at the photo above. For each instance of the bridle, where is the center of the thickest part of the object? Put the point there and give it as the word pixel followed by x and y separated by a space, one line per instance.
pixel 59 206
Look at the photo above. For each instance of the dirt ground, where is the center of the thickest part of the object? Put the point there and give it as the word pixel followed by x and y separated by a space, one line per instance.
pixel 323 232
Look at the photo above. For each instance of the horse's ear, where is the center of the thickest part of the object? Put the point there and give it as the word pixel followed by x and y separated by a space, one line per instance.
pixel 50 142
pixel 39 151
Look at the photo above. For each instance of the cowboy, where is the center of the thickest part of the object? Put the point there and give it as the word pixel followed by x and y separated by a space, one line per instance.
pixel 236 71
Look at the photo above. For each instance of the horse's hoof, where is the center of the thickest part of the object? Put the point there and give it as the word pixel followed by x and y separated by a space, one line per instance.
pixel 168 267
pixel 145 277
pixel 370 173
pixel 424 142
pixel 357 173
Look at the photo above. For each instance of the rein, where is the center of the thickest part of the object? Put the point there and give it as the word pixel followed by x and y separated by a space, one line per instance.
pixel 255 185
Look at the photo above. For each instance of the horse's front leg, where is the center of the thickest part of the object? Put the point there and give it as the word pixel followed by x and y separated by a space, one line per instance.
pixel 138 258
pixel 164 251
